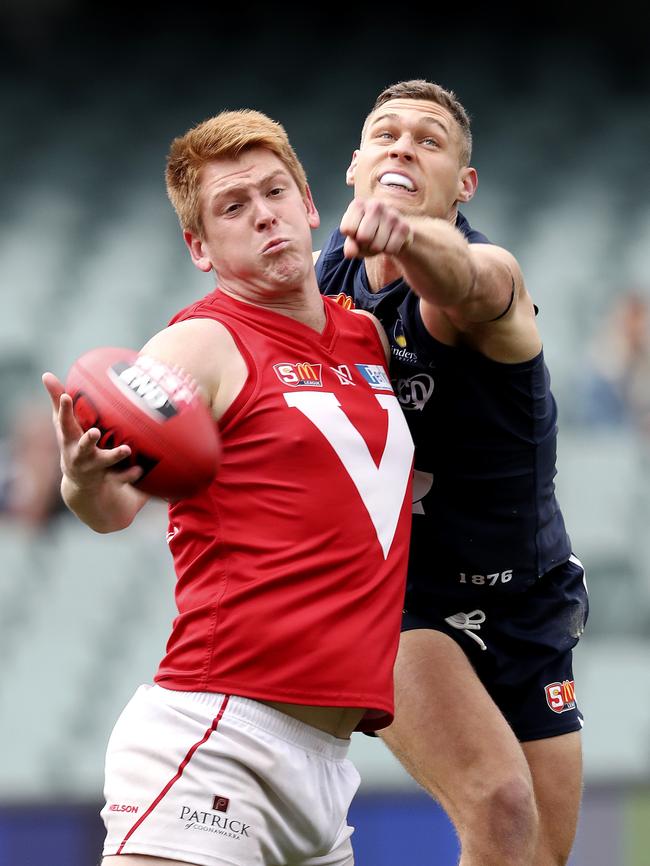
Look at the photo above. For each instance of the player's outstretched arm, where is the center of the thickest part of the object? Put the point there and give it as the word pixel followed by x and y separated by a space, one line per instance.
pixel 472 289
pixel 498 317
pixel 476 290
pixel 431 254
pixel 102 497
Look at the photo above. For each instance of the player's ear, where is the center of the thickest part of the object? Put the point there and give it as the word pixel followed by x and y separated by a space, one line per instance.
pixel 199 254
pixel 467 183
pixel 313 217
pixel 349 174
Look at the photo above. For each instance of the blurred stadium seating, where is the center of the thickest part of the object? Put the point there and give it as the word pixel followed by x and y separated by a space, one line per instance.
pixel 90 254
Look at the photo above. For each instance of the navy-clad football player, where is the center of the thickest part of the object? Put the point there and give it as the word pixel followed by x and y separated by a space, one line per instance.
pixel 486 715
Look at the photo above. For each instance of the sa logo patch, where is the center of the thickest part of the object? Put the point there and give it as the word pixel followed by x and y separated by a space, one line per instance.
pixel 304 375
pixel 561 697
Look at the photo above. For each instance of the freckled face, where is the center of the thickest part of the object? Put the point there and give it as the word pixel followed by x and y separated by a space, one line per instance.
pixel 257 226
pixel 410 157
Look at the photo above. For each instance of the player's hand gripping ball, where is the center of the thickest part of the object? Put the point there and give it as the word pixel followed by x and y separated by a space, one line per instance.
pixel 156 410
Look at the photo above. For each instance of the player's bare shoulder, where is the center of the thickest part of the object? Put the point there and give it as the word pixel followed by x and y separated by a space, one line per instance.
pixel 207 350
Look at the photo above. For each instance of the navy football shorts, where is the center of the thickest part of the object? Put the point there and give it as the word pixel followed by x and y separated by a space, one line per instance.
pixel 520 646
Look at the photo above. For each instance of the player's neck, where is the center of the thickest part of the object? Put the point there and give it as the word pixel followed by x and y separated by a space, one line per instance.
pixel 381 270
pixel 310 312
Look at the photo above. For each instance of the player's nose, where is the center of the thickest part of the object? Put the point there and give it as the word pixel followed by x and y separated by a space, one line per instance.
pixel 264 215
pixel 403 147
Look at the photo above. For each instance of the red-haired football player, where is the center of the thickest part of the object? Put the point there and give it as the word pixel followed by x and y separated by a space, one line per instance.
pixel 290 566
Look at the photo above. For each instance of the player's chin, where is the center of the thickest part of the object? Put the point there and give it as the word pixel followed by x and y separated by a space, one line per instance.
pixel 289 269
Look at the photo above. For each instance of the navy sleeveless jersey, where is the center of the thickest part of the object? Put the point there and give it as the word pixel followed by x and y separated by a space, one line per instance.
pixel 486 520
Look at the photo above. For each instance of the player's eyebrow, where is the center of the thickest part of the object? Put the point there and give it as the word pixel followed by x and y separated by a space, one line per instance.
pixel 238 185
pixel 427 118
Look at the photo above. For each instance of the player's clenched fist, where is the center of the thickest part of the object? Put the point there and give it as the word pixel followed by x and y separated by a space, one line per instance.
pixel 372 227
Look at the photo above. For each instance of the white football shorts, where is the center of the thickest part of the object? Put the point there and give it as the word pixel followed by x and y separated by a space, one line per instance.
pixel 219 780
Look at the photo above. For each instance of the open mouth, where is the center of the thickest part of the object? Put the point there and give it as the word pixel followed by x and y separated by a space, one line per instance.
pixel 396 180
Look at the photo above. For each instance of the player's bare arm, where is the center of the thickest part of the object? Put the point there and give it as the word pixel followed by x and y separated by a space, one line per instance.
pixel 495 315
pixel 498 317
pixel 470 293
pixel 205 350
pixel 101 496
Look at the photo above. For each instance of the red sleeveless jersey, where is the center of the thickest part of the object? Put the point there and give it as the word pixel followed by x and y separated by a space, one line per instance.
pixel 291 565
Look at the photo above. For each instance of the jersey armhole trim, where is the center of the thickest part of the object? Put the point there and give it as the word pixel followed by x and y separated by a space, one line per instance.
pixel 372 323
pixel 249 388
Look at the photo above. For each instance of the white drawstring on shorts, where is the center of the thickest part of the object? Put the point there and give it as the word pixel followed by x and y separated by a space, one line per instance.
pixel 469 623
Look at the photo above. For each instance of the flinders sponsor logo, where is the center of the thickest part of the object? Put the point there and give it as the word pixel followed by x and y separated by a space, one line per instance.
pixel 209 822
pixel 404 355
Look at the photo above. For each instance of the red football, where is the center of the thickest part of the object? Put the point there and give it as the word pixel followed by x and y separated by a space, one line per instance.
pixel 138 401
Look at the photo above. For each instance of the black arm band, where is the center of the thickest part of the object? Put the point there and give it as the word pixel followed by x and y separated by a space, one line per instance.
pixel 507 309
